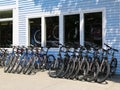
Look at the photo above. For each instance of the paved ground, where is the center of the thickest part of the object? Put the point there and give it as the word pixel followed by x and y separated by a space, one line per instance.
pixel 41 81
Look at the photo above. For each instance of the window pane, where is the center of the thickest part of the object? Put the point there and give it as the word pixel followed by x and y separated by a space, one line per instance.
pixel 71 28
pixel 35 31
pixel 5 34
pixel 93 28
pixel 5 14
pixel 52 31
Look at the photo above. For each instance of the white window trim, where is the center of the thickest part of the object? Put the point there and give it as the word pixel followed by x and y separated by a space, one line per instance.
pixel 81 28
pixel 15 27
pixel 61 29
pixel 43 32
pixel 6 19
pixel 9 7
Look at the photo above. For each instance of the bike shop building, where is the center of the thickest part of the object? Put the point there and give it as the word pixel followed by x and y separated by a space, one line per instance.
pixel 46 22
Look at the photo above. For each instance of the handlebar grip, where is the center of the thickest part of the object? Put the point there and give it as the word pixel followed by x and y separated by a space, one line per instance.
pixel 115 50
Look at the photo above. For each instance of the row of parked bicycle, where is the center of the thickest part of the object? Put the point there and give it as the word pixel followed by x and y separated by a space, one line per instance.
pixel 25 59
pixel 72 62
pixel 89 63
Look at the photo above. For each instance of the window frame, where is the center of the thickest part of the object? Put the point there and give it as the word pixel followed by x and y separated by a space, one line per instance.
pixel 46 29
pixel 103 10
pixel 14 21
pixel 28 28
pixel 28 41
pixel 71 13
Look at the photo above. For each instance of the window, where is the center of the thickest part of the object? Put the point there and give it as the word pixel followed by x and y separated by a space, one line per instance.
pixel 35 31
pixel 52 31
pixel 6 28
pixel 93 28
pixel 71 28
pixel 76 28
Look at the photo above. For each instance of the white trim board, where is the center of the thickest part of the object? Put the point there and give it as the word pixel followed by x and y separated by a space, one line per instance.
pixel 8 7
pixel 6 19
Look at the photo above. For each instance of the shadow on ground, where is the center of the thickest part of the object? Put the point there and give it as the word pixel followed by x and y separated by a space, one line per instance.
pixel 115 79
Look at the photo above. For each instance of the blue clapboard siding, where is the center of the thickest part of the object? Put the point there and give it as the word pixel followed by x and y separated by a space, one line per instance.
pixel 112 8
pixel 7 2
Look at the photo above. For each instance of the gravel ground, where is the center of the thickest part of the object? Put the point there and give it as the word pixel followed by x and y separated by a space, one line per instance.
pixel 41 81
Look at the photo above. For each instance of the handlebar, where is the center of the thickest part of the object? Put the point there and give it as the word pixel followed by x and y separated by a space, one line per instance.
pixel 110 47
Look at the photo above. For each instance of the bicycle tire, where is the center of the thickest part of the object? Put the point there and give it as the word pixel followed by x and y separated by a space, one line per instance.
pixel 7 63
pixel 56 68
pixel 12 64
pixel 25 69
pixel 93 72
pixel 71 68
pixel 37 41
pixel 103 73
pixel 76 70
pixel 19 69
pixel 2 61
pixel 113 66
pixel 17 65
pixel 84 70
pixel 31 66
pixel 65 69
pixel 54 32
pixel 21 66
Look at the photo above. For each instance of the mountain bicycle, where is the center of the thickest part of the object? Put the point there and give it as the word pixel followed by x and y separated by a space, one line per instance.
pixel 9 59
pixel 58 66
pixel 104 69
pixel 40 60
pixel 3 56
pixel 113 60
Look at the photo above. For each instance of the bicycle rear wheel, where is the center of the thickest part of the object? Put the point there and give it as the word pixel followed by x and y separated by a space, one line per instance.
pixel 113 66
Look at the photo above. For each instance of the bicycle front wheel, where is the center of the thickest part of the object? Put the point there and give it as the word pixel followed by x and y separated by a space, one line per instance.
pixel 50 59
pixel 7 63
pixel 56 68
pixel 103 72
pixel 93 72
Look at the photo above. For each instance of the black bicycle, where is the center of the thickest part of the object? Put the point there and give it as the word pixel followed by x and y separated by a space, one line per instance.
pixel 113 60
